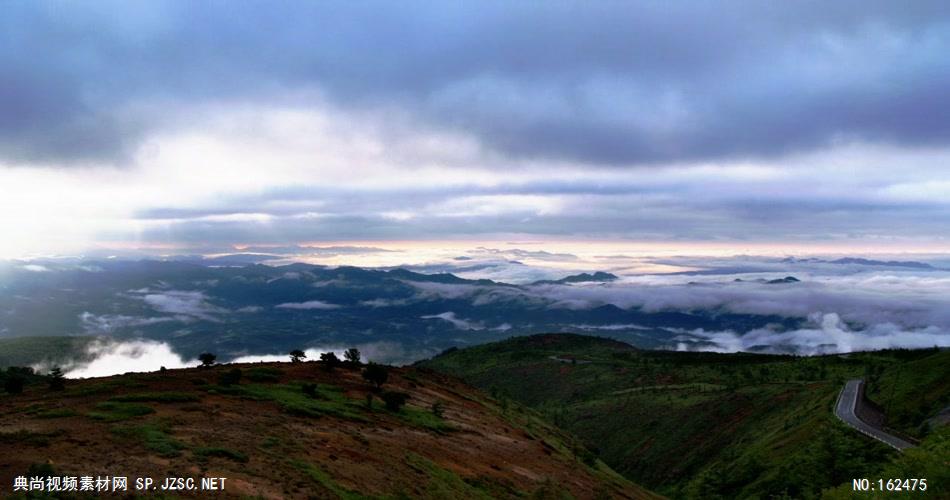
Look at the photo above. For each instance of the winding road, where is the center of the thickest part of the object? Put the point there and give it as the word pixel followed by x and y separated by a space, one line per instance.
pixel 844 409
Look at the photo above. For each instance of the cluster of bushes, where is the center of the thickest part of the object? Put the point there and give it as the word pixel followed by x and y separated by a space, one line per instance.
pixel 394 400
pixel 15 378
pixel 351 358
pixel 230 377
pixel 376 374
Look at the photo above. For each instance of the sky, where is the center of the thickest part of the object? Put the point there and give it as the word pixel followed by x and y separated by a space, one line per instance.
pixel 174 127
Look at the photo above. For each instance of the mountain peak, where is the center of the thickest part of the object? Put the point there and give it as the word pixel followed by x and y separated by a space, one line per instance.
pixel 598 276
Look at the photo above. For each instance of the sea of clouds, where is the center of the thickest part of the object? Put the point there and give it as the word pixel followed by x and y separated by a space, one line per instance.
pixel 845 306
pixel 841 307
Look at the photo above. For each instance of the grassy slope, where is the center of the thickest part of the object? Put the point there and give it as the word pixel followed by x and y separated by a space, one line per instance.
pixel 692 424
pixel 930 461
pixel 272 438
pixel 912 391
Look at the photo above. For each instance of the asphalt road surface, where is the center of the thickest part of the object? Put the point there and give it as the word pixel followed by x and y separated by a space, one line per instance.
pixel 844 410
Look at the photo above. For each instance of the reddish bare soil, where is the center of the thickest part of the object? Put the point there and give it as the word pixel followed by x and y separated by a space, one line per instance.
pixel 478 449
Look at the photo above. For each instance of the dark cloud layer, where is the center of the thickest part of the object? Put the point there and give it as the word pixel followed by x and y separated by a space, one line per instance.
pixel 667 212
pixel 610 83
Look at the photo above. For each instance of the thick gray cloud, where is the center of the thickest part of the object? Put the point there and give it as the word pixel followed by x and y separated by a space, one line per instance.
pixel 668 211
pixel 605 83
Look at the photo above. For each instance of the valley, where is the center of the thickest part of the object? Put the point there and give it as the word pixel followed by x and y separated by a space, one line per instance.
pixel 707 425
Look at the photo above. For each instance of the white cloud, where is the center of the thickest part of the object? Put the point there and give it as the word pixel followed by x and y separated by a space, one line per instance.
pixel 113 358
pixel 825 334
pixel 312 354
pixel 905 299
pixel 36 268
pixel 310 304
pixel 185 303
pixel 905 304
pixel 459 323
pixel 381 352
pixel 612 327
pixel 106 323
pixel 109 357
pixel 384 302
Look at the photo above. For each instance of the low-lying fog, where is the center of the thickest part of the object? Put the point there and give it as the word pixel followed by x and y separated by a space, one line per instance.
pixel 834 304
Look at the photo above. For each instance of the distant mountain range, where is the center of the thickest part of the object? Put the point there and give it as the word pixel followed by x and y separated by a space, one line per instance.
pixel 861 262
pixel 777 281
pixel 598 276
pixel 399 314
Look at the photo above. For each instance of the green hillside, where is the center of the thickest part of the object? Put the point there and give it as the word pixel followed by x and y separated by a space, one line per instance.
pixel 912 391
pixel 700 425
pixel 930 460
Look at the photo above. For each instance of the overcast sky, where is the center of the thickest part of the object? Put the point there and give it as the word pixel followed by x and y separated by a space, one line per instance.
pixel 201 125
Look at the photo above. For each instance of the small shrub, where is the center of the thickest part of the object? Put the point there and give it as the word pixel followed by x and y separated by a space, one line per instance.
pixel 230 377
pixel 424 420
pixel 157 397
pixel 114 411
pixel 13 385
pixel 56 413
pixel 309 389
pixel 588 457
pixel 264 375
pixel 153 437
pixel 376 374
pixel 352 356
pixel 57 381
pixel 207 359
pixel 217 451
pixel 394 400
pixel 297 355
pixel 41 470
pixel 28 438
pixel 330 361
pixel 23 371
pixel 438 409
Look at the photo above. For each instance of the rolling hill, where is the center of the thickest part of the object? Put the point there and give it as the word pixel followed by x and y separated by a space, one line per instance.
pixel 297 430
pixel 706 425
